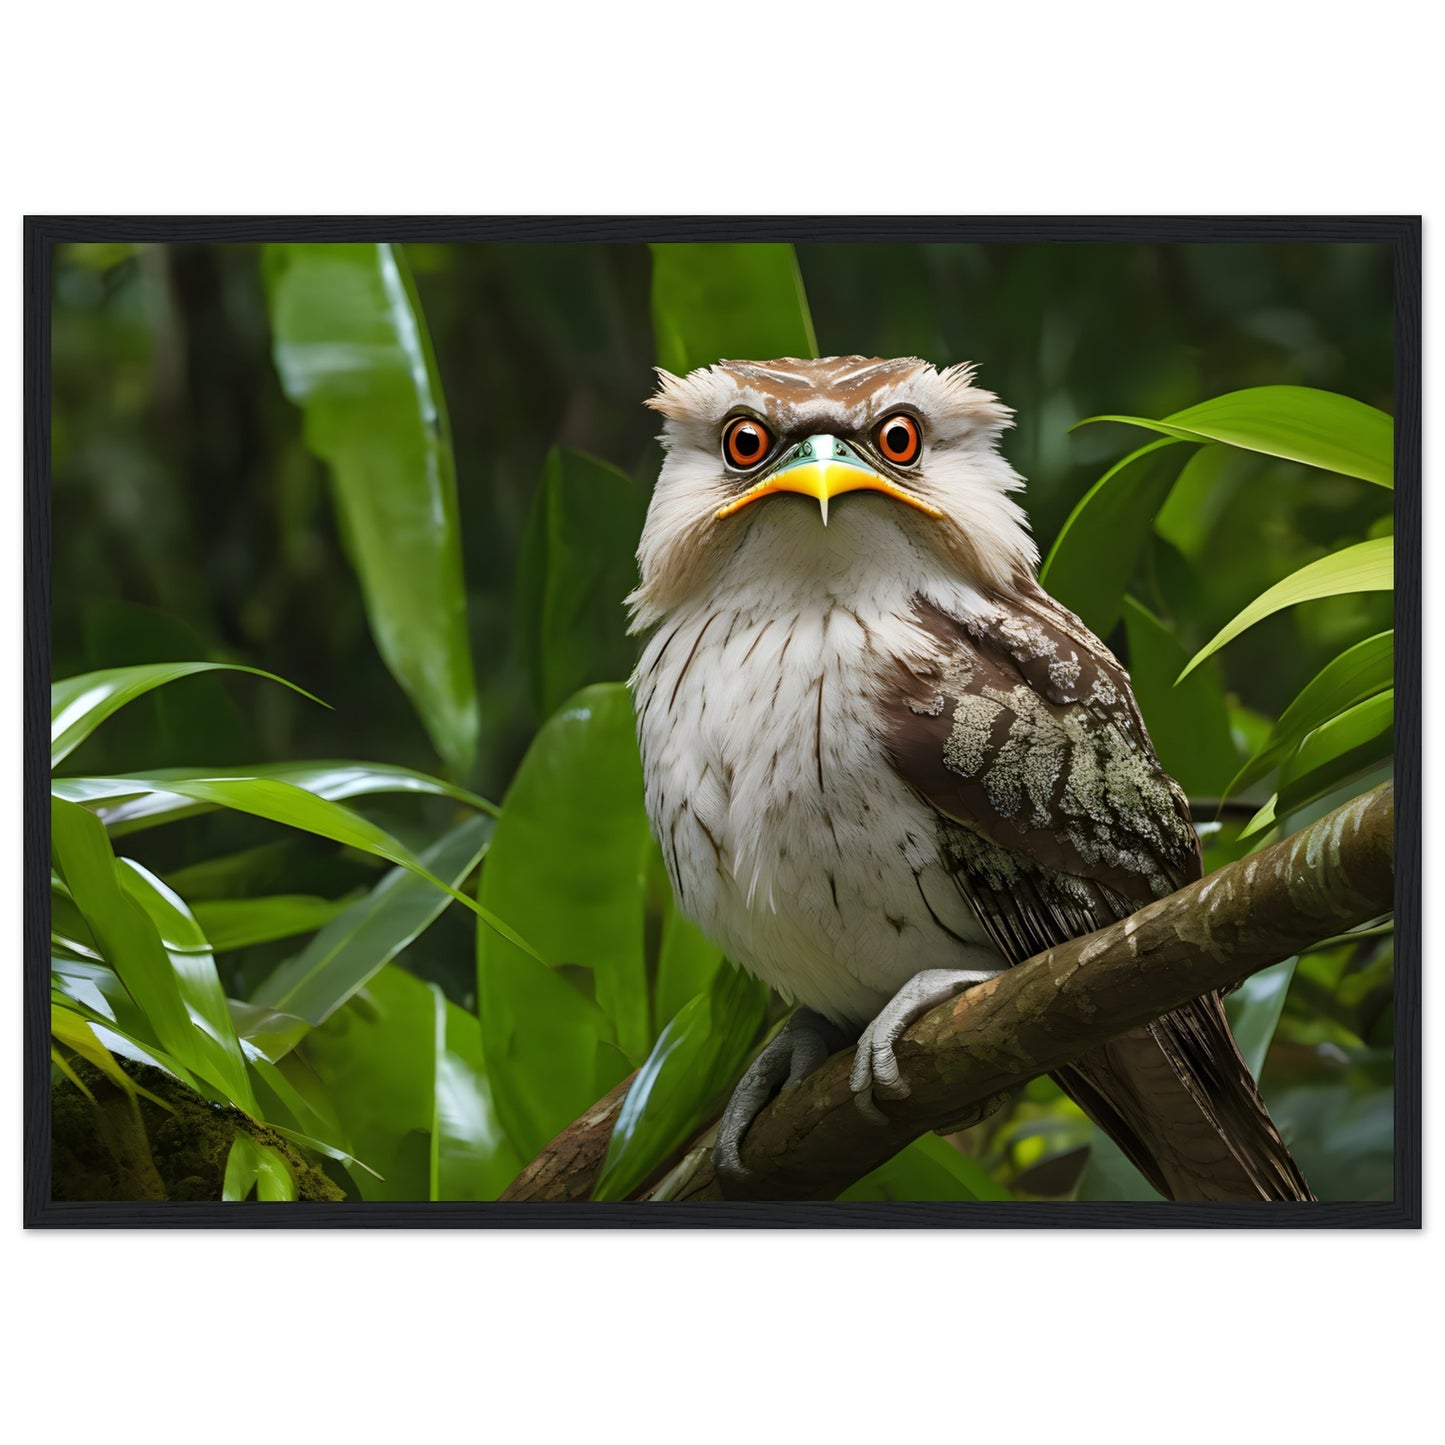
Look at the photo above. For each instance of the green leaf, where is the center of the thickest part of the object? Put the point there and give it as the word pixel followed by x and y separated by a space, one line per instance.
pixel 221 1059
pixel 1188 724
pixel 1098 548
pixel 1110 1175
pixel 1318 428
pixel 373 1065
pixel 128 802
pixel 1340 737
pixel 698 1055
pixel 284 803
pixel 232 923
pixel 357 944
pixel 1360 672
pixel 1359 739
pixel 251 1164
pixel 742 301
pixel 1254 1010
pixel 78 705
pixel 128 938
pixel 573 828
pixel 686 966
pixel 929 1168
pixel 1364 567
pixel 471 1156
pixel 351 349
pixel 580 564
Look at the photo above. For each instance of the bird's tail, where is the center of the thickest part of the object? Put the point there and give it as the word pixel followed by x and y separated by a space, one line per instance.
pixel 1179 1100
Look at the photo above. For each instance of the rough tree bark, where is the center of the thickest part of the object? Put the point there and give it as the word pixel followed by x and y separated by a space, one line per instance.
pixel 812 1142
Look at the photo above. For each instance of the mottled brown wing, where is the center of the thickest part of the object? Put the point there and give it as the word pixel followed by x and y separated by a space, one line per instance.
pixel 1022 732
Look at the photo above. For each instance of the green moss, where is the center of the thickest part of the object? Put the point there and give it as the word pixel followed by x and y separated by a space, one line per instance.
pixel 124 1148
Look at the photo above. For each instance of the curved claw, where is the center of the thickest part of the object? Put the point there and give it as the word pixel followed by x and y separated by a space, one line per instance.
pixel 875 1067
pixel 804 1042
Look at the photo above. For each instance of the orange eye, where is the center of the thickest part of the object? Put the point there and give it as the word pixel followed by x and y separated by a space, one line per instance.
pixel 897 438
pixel 746 442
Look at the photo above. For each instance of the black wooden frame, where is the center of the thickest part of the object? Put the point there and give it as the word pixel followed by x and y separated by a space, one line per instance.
pixel 1402 233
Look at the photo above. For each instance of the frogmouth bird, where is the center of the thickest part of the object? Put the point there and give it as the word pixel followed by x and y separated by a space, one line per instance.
pixel 883 764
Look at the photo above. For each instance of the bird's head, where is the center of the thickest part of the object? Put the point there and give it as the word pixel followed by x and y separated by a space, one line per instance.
pixel 755 448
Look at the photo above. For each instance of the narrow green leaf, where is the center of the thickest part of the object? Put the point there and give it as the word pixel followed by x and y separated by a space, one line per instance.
pixel 1358 673
pixel 698 1055
pixel 223 1063
pixel 573 828
pixel 351 348
pixel 251 1164
pixel 78 705
pixel 740 302
pixel 282 802
pixel 1358 739
pixel 1299 423
pixel 471 1156
pixel 356 945
pixel 126 803
pixel 1340 736
pixel 1254 1010
pixel 126 935
pixel 929 1168
pixel 80 1036
pixel 231 923
pixel 1188 724
pixel 580 565
pixel 1364 567
pixel 1098 548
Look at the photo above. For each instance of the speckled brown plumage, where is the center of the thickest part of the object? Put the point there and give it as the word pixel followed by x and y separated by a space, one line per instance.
pixel 1021 730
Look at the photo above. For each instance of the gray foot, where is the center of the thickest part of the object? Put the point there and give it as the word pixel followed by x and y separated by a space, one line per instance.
pixel 875 1069
pixel 800 1046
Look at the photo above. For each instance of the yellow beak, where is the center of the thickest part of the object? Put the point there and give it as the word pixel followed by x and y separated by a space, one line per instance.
pixel 824 467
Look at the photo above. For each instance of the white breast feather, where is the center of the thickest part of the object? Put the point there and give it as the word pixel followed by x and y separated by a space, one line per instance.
pixel 829 889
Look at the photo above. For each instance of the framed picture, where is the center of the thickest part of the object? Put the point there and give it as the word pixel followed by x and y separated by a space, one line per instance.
pixel 723 722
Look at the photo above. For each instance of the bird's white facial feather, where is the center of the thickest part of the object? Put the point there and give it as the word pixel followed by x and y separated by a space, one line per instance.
pixel 982 537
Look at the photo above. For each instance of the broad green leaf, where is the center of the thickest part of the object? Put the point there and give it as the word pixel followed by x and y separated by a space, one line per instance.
pixel 353 947
pixel 737 301
pixel 1364 567
pixel 1110 1175
pixel 251 1164
pixel 1188 724
pixel 1358 673
pixel 128 938
pixel 78 705
pixel 282 802
pixel 231 923
pixel 694 1061
pixel 580 563
pixel 686 966
pixel 351 349
pixel 1299 423
pixel 1098 548
pixel 200 985
pixel 1254 1010
pixel 373 1063
pixel 929 1168
pixel 127 802
pixel 572 828
pixel 471 1156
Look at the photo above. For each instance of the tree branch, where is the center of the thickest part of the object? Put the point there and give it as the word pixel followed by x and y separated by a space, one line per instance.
pixel 813 1142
